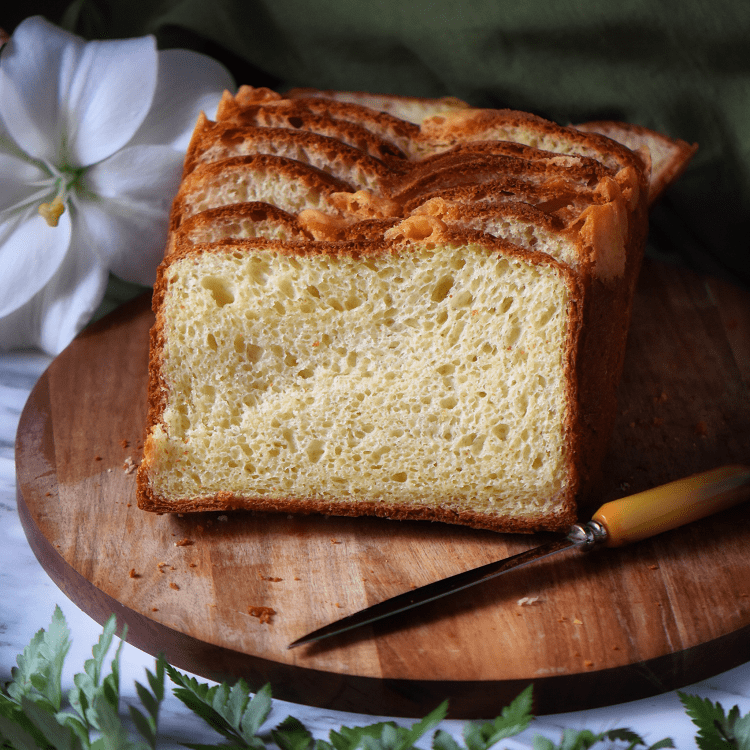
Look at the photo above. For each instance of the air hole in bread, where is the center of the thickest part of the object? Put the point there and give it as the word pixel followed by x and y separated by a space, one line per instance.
pixel 442 289
pixel 221 290
pixel 315 450
pixel 464 299
pixel 501 431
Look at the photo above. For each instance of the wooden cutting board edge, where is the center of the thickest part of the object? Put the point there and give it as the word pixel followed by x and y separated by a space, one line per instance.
pixel 468 700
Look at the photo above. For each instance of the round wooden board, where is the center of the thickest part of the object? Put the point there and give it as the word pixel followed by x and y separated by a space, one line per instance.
pixel 594 629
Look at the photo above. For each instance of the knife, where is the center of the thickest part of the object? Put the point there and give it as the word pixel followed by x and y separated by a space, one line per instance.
pixel 624 521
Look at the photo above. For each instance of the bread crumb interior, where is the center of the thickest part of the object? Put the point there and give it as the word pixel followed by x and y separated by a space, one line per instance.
pixel 431 374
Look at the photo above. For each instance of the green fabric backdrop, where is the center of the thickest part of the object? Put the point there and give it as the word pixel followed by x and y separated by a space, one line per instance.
pixel 679 66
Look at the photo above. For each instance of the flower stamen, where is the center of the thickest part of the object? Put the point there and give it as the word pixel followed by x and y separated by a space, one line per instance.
pixel 51 212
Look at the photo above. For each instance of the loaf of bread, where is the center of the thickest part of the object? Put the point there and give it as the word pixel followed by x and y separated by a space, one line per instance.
pixel 361 313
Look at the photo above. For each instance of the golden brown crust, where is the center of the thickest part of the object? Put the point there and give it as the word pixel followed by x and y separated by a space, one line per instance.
pixel 454 169
pixel 506 124
pixel 297 116
pixel 667 157
pixel 218 141
pixel 235 214
pixel 411 108
pixel 446 513
pixel 670 156
pixel 245 170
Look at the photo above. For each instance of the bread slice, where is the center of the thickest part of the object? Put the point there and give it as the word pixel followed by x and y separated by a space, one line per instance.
pixel 285 183
pixel 363 315
pixel 238 221
pixel 425 380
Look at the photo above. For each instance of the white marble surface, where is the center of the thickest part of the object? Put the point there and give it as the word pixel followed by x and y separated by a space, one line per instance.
pixel 28 597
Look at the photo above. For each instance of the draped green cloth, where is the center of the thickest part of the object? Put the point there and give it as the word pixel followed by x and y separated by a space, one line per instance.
pixel 679 66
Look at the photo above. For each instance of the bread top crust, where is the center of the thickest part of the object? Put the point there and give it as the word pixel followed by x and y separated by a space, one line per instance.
pixel 381 123
pixel 663 158
pixel 255 218
pixel 651 160
pixel 217 141
pixel 582 197
pixel 459 155
pixel 298 118
pixel 466 131
pixel 442 132
pixel 411 108
pixel 240 174
pixel 667 158
pixel 524 127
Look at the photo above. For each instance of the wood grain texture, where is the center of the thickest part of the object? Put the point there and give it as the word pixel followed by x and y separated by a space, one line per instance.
pixel 604 628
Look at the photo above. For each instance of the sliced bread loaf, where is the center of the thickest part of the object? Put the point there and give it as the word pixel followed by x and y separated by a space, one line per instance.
pixel 363 315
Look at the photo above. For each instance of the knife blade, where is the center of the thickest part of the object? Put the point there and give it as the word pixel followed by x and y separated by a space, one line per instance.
pixel 616 523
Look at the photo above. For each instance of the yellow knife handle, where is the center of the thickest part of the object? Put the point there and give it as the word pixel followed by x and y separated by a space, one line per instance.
pixel 671 505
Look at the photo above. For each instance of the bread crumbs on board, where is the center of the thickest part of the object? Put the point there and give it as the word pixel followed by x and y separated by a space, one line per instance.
pixel 527 601
pixel 264 614
pixel 272 579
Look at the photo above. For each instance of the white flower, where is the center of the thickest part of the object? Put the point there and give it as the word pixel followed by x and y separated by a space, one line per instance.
pixel 92 139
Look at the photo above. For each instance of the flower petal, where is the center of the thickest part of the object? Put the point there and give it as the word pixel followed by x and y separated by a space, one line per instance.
pixel 109 97
pixel 31 253
pixel 35 65
pixel 188 83
pixel 127 221
pixel 53 317
pixel 19 180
